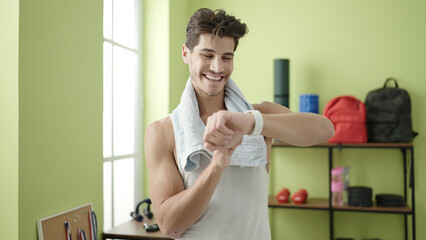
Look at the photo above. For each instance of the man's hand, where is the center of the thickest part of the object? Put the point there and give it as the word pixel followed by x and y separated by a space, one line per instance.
pixel 225 131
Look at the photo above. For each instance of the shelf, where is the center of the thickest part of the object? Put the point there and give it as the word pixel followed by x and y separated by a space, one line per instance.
pixel 375 209
pixel 350 145
pixel 322 204
pixel 312 203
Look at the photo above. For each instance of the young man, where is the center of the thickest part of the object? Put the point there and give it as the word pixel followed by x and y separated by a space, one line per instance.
pixel 208 160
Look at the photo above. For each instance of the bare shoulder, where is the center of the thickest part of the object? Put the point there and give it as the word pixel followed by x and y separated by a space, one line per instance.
pixel 271 108
pixel 159 136
pixel 162 127
pixel 164 177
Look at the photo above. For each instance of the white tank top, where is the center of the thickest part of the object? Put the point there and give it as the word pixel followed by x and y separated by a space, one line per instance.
pixel 238 208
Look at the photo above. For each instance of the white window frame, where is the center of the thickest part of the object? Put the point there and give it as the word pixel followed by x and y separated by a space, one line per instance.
pixel 137 155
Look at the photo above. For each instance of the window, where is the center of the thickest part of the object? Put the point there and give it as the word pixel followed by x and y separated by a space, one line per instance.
pixel 122 110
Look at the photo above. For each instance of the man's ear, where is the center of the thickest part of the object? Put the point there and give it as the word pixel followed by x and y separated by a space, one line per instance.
pixel 185 54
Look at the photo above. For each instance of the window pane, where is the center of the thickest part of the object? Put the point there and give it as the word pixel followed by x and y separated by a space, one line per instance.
pixel 107 196
pixel 108 19
pixel 124 29
pixel 123 190
pixel 107 113
pixel 124 84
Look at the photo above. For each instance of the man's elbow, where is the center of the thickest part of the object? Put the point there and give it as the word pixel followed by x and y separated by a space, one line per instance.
pixel 169 227
pixel 170 231
pixel 325 132
pixel 328 131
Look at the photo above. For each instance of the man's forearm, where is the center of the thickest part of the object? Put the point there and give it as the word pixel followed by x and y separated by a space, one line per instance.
pixel 299 129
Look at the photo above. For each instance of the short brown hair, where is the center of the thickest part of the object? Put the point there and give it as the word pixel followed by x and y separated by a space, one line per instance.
pixel 215 22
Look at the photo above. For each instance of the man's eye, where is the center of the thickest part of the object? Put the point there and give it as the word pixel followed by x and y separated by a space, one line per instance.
pixel 227 58
pixel 207 56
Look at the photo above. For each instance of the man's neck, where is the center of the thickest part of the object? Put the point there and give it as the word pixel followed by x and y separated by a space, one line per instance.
pixel 210 104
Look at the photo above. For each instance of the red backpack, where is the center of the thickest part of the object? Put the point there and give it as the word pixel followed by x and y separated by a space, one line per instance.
pixel 348 115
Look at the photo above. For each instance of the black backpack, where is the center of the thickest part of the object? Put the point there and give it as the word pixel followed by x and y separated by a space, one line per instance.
pixel 389 115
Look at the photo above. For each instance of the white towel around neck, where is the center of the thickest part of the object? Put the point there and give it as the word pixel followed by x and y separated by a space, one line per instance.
pixel 189 130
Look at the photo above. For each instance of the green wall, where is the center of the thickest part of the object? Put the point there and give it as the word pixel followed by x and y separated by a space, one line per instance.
pixel 335 48
pixel 179 12
pixel 156 58
pixel 51 105
pixel 9 51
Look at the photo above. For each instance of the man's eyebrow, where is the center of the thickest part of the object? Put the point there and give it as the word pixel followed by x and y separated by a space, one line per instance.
pixel 207 50
pixel 211 50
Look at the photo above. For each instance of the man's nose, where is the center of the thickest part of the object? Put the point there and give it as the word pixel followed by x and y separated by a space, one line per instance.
pixel 216 65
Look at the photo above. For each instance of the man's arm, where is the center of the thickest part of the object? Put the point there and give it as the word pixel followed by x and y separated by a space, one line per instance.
pixel 177 208
pixel 299 129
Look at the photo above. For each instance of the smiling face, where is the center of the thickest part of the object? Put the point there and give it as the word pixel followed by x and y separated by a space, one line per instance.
pixel 211 63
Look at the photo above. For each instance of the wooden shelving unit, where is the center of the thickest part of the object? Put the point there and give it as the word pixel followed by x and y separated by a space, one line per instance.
pixel 325 204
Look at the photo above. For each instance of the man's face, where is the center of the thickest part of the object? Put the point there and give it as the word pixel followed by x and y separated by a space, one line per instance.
pixel 211 63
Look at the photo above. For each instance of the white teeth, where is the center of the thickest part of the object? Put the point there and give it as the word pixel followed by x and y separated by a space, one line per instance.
pixel 213 78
